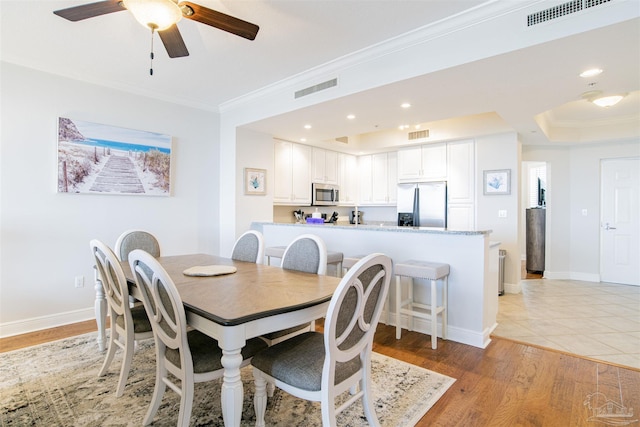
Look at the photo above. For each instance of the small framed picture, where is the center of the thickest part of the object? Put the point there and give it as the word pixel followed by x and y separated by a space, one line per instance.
pixel 255 181
pixel 497 182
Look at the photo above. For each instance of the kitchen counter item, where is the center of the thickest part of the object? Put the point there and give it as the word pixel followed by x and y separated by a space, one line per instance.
pixel 354 214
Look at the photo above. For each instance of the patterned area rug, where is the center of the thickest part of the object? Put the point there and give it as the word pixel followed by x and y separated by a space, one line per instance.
pixel 56 384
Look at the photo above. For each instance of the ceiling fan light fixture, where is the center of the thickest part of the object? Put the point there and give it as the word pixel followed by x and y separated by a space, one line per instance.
pixel 607 101
pixel 158 15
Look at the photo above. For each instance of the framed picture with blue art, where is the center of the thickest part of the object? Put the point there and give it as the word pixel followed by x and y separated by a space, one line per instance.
pixel 255 181
pixel 497 182
pixel 95 158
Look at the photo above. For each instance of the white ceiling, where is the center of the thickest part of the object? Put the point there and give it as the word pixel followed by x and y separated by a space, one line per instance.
pixel 297 35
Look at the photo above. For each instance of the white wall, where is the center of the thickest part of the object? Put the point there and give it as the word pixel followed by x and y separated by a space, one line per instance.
pixel 493 152
pixel 573 184
pixel 253 150
pixel 44 235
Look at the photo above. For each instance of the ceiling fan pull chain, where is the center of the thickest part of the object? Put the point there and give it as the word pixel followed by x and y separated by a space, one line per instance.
pixel 151 55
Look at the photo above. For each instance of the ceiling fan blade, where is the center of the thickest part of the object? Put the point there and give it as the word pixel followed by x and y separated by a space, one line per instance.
pixel 78 13
pixel 172 40
pixel 219 20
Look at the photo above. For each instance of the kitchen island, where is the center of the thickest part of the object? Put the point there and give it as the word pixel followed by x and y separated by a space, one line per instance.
pixel 473 260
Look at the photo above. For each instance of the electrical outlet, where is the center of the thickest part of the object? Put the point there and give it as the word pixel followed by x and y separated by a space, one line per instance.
pixel 502 213
pixel 79 282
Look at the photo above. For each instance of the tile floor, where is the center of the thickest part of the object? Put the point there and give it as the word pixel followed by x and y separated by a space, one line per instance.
pixel 597 320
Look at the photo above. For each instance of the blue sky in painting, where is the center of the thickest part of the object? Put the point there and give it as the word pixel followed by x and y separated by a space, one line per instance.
pixel 129 136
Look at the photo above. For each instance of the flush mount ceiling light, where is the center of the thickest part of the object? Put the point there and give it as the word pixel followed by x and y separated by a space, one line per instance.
pixel 158 15
pixel 405 105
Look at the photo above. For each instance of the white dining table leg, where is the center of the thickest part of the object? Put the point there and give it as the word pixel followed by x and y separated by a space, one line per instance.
pixel 232 391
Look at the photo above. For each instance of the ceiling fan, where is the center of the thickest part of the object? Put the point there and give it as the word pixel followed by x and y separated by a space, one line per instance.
pixel 162 16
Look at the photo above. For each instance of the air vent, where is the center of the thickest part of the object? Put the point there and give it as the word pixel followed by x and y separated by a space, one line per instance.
pixel 343 139
pixel 316 88
pixel 562 10
pixel 419 134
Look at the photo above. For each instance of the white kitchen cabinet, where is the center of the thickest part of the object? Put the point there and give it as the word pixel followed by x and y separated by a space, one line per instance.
pixel 460 216
pixel 422 163
pixel 347 179
pixel 325 166
pixel 461 168
pixel 378 178
pixel 365 187
pixel 292 174
pixel 461 185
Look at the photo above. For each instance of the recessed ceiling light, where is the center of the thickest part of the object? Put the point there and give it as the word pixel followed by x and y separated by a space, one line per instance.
pixel 405 105
pixel 307 126
pixel 351 116
pixel 591 72
pixel 303 139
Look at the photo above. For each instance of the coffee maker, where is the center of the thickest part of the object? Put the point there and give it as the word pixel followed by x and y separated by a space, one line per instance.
pixel 352 217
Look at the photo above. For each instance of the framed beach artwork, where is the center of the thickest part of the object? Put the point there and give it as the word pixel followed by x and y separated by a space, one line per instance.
pixel 255 181
pixel 100 159
pixel 497 182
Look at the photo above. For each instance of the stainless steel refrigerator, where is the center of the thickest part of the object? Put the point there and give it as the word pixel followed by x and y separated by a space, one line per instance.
pixel 422 204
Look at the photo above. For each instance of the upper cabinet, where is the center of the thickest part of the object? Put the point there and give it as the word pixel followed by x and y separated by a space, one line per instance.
pixel 292 177
pixel 324 166
pixel 378 178
pixel 422 163
pixel 347 179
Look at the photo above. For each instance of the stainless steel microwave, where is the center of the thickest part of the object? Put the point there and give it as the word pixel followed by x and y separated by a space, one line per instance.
pixel 324 194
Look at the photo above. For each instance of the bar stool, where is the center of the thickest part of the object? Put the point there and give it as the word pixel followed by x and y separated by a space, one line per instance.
pixel 332 257
pixel 432 271
pixel 350 261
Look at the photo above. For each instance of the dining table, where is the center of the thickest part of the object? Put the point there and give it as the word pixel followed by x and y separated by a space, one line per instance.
pixel 232 308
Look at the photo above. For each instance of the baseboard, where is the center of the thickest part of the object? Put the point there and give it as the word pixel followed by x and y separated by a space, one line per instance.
pixel 585 277
pixel 45 322
pixel 463 336
pixel 569 275
pixel 512 288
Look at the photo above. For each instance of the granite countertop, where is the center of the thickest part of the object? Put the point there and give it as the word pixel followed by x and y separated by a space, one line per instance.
pixel 382 227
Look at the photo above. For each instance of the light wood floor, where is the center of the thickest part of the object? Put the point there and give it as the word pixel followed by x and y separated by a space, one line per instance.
pixel 506 384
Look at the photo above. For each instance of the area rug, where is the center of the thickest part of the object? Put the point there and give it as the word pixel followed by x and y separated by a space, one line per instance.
pixel 56 384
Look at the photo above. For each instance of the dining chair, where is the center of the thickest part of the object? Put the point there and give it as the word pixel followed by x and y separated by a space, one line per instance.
pixel 249 247
pixel 127 323
pixel 136 239
pixel 322 366
pixel 306 253
pixel 186 353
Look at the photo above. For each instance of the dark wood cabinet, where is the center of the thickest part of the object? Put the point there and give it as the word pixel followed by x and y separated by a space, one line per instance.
pixel 535 239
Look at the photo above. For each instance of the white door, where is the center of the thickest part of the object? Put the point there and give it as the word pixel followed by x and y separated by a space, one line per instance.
pixel 619 220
